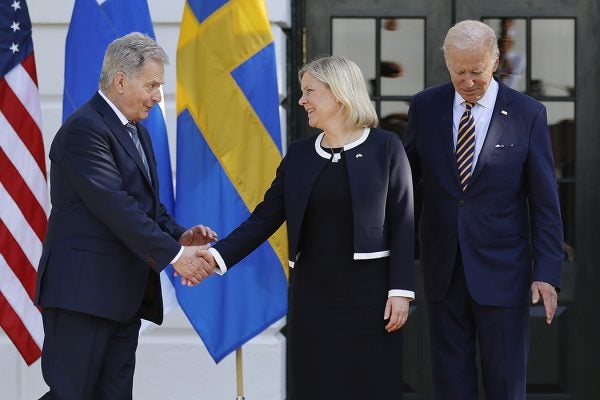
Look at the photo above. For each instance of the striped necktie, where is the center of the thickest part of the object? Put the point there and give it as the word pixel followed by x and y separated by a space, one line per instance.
pixel 132 129
pixel 465 146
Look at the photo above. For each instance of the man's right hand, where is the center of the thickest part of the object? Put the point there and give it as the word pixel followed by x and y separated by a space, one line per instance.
pixel 192 267
pixel 208 258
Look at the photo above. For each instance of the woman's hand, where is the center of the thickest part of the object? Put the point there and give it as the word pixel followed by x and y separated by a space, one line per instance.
pixel 396 312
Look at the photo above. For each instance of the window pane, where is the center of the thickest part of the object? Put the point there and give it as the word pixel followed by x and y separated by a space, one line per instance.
pixel 553 57
pixel 402 56
pixel 354 38
pixel 561 119
pixel 394 116
pixel 512 43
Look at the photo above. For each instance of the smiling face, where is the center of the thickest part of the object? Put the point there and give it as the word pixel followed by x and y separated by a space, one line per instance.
pixel 138 94
pixel 319 102
pixel 471 71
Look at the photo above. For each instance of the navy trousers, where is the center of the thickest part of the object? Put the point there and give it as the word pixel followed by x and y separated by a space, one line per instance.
pixel 457 324
pixel 86 357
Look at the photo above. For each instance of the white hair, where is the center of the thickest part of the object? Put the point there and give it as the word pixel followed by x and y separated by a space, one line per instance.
pixel 472 35
pixel 129 54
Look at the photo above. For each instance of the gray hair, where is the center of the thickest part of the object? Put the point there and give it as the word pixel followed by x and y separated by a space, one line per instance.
pixel 346 82
pixel 128 54
pixel 472 35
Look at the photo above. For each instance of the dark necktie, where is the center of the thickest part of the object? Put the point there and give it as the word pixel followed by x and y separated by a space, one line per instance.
pixel 465 146
pixel 132 129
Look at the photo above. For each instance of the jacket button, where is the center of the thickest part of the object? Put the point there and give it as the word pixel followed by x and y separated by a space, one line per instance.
pixel 461 203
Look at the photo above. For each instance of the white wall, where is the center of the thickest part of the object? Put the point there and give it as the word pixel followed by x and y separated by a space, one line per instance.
pixel 172 361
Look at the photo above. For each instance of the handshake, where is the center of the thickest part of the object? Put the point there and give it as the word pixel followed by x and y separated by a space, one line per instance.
pixel 195 262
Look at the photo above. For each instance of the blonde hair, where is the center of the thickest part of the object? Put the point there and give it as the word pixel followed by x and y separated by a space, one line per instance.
pixel 472 35
pixel 346 82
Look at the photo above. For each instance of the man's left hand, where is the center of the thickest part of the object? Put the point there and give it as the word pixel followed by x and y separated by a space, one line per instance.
pixel 197 236
pixel 548 294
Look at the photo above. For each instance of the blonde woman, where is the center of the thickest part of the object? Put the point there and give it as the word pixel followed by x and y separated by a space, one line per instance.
pixel 346 195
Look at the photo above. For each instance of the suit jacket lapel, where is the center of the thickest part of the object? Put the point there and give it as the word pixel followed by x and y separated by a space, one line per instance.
pixel 147 146
pixel 308 174
pixel 303 177
pixel 124 138
pixel 445 119
pixel 497 126
pixel 121 133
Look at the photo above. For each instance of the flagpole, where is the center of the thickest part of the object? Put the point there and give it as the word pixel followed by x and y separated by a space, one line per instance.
pixel 239 370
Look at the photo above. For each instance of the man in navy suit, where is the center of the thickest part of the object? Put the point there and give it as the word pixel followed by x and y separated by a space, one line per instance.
pixel 490 229
pixel 108 236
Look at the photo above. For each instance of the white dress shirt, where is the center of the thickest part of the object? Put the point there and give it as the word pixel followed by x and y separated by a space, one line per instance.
pixel 482 114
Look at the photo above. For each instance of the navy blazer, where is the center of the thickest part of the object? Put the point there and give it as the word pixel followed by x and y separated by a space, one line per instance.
pixel 382 203
pixel 507 223
pixel 108 234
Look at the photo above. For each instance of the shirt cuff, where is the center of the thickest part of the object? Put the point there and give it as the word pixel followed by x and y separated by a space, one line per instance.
pixel 402 293
pixel 173 261
pixel 221 267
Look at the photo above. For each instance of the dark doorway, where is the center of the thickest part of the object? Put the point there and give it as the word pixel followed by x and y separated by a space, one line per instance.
pixel 550 53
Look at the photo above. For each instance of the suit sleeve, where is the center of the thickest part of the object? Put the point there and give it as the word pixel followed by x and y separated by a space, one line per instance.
pixel 91 168
pixel 266 218
pixel 168 223
pixel 400 215
pixel 544 209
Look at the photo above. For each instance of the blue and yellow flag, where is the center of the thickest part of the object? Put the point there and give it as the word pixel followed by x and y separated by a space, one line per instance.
pixel 228 148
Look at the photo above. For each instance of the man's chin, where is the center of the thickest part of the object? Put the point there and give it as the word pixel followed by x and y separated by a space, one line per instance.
pixel 470 97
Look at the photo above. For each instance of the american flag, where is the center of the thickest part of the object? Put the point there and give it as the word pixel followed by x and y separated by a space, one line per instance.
pixel 23 187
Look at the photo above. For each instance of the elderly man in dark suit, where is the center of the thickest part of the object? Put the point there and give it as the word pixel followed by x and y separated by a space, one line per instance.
pixel 490 229
pixel 109 236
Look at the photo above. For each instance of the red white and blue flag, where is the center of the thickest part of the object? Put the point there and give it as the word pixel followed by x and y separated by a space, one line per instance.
pixel 23 187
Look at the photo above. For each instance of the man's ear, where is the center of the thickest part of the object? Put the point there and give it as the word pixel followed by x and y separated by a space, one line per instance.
pixel 119 81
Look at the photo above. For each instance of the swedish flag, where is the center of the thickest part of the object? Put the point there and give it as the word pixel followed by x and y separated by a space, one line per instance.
pixel 228 148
